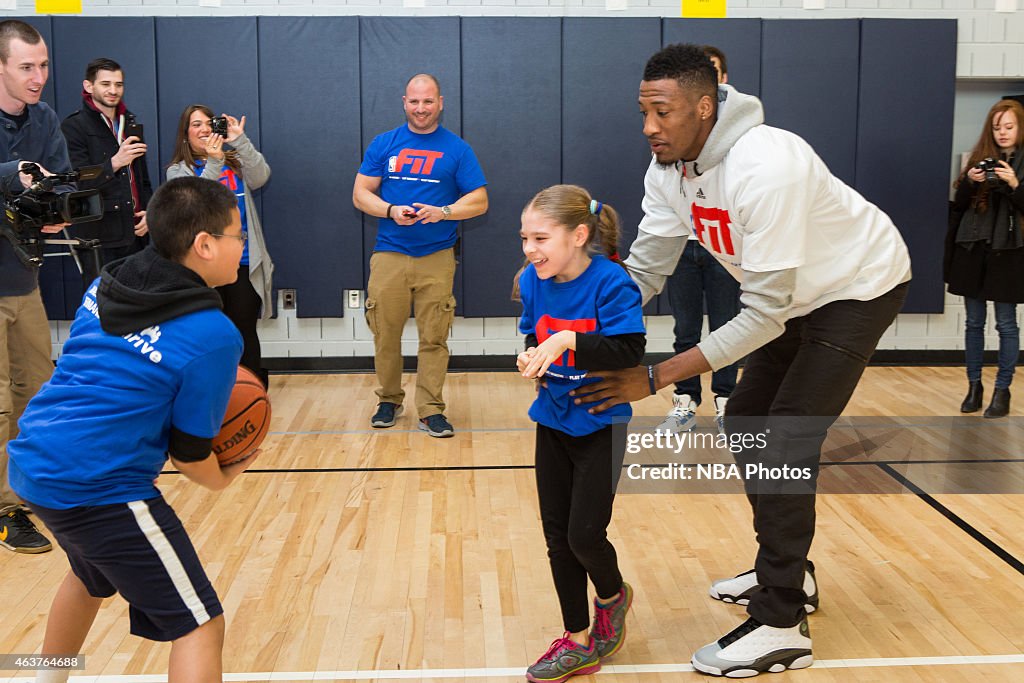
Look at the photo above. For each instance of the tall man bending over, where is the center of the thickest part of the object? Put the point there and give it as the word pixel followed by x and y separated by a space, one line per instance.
pixel 822 272
pixel 29 132
pixel 420 179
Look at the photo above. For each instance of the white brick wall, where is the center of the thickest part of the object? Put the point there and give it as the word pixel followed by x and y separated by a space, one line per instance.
pixel 990 46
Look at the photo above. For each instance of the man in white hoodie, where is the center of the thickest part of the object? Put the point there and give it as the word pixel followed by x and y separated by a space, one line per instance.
pixel 822 272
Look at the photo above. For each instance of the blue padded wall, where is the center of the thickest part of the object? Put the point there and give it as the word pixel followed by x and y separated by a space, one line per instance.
pixel 603 147
pixel 392 50
pixel 815 98
pixel 313 232
pixel 76 42
pixel 905 130
pixel 511 103
pixel 79 40
pixel 541 100
pixel 211 61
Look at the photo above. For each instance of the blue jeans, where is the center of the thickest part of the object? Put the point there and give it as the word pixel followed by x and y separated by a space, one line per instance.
pixel 974 340
pixel 698 278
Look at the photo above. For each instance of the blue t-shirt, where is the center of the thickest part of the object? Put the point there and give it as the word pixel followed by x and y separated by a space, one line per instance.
pixel 435 169
pixel 232 181
pixel 602 300
pixel 97 432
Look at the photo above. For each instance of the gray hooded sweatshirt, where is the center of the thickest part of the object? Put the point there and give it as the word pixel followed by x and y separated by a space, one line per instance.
pixel 765 205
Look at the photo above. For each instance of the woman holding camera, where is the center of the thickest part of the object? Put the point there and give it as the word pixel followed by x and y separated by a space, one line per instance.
pixel 984 258
pixel 200 150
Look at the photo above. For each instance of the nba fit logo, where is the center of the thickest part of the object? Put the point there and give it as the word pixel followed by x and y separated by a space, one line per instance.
pixel 712 225
pixel 548 326
pixel 419 161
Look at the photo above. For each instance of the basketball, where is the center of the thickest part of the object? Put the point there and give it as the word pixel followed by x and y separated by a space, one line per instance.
pixel 246 421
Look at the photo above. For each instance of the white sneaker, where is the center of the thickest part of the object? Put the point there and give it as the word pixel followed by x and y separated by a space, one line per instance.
pixel 720 402
pixel 753 648
pixel 682 417
pixel 739 588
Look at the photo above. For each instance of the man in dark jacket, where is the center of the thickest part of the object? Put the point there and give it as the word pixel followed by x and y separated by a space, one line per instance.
pixel 103 132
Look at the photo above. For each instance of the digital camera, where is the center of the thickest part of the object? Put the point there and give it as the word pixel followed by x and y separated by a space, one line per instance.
pixel 989 166
pixel 219 125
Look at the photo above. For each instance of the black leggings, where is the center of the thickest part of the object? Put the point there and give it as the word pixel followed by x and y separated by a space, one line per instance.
pixel 242 306
pixel 576 476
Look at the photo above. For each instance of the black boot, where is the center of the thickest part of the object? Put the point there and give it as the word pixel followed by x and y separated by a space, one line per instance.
pixel 1000 405
pixel 972 402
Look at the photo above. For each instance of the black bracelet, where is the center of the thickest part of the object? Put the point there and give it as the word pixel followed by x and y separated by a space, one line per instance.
pixel 650 379
pixel 388 214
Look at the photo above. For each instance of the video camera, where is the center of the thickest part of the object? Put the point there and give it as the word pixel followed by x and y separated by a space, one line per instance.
pixel 45 203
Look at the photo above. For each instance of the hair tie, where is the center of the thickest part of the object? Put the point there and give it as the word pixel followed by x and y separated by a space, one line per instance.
pixel 615 258
pixel 595 207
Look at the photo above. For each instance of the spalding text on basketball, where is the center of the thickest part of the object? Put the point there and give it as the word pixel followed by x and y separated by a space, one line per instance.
pixel 236 438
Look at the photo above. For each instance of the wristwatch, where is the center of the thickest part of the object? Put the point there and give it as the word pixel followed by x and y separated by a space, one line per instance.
pixel 447 211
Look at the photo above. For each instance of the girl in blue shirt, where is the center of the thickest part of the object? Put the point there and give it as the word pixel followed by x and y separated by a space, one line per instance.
pixel 581 312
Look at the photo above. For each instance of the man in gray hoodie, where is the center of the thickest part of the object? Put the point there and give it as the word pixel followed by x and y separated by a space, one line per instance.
pixel 822 272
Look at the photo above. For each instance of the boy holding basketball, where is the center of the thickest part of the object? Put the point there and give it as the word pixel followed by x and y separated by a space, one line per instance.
pixel 145 374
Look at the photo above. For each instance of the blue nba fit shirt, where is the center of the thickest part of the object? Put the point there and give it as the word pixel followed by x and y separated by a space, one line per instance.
pixel 435 169
pixel 602 300
pixel 111 441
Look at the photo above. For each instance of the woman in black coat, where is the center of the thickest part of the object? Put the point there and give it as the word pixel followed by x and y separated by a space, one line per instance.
pixel 984 258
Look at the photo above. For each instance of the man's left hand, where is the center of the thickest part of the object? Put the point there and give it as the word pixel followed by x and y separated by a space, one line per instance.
pixel 427 213
pixel 614 387
pixel 51 229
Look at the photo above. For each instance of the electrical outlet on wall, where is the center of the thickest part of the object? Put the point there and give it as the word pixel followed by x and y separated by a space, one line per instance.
pixel 288 299
pixel 355 298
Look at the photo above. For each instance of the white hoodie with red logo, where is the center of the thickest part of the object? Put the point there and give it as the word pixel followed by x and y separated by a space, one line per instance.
pixel 763 203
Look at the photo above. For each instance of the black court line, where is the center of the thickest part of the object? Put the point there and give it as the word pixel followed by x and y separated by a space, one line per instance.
pixel 309 470
pixel 471 468
pixel 964 526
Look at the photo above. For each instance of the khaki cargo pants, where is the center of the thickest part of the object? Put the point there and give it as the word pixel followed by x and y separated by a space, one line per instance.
pixel 25 366
pixel 424 283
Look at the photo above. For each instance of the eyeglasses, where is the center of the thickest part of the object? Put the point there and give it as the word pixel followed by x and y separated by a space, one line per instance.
pixel 241 238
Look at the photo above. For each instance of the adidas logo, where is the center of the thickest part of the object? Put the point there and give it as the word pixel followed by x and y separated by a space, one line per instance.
pixel 700 194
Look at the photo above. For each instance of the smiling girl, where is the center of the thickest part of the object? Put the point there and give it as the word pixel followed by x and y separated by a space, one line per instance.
pixel 581 312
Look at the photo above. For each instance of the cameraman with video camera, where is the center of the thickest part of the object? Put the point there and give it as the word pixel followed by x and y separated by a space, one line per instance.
pixel 29 132
pixel 984 255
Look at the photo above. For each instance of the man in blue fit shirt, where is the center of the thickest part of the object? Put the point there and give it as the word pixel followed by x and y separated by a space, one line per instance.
pixel 420 179
pixel 29 132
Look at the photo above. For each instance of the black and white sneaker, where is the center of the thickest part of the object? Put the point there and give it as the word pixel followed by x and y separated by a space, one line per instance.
pixel 753 648
pixel 739 588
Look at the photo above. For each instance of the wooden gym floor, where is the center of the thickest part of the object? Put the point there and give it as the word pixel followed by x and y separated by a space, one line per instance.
pixel 360 554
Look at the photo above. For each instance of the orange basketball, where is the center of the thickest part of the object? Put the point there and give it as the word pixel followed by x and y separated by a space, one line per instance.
pixel 246 421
